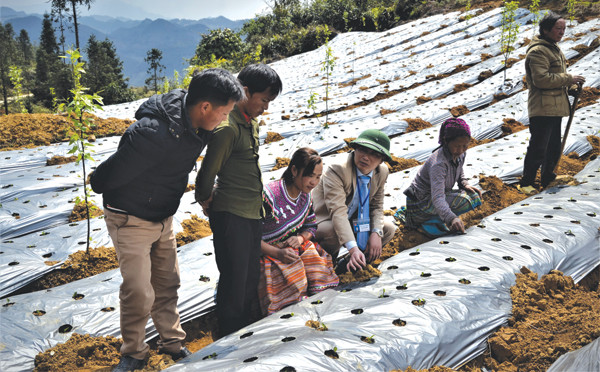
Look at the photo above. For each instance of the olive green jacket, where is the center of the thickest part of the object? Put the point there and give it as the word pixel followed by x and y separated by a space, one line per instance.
pixel 547 79
pixel 232 158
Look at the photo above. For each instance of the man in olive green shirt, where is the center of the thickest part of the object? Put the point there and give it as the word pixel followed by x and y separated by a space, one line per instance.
pixel 234 203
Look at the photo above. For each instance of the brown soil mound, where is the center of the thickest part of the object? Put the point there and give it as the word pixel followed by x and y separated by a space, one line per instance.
pixel 79 265
pixel 80 352
pixel 384 112
pixel 461 87
pixel 31 130
pixel 475 142
pixel 422 99
pixel 459 110
pixel 193 229
pixel 360 275
pixel 281 163
pixel 57 160
pixel 588 97
pixel 551 317
pixel 416 125
pixel 497 196
pixel 346 148
pixel 400 164
pixel 273 137
pixel 87 353
pixel 353 81
pixel 511 126
pixel 316 325
pixel 79 212
pixel 485 74
pixel 485 56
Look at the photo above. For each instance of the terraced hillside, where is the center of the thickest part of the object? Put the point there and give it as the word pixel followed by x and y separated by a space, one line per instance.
pixel 405 81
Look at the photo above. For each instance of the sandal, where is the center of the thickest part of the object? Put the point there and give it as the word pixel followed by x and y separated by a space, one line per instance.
pixel 527 190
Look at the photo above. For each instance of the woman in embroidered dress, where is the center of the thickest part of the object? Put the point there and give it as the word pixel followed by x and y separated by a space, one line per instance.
pixel 292 266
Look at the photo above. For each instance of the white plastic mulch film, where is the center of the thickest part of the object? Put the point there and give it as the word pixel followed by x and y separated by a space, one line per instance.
pixel 406 64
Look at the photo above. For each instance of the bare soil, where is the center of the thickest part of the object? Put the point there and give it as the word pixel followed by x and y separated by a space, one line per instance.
pixel 281 163
pixel 194 229
pixel 273 137
pixel 400 164
pixel 416 125
pixel 79 212
pixel 19 131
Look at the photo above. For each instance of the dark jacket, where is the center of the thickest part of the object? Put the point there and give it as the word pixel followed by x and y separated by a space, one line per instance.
pixel 148 173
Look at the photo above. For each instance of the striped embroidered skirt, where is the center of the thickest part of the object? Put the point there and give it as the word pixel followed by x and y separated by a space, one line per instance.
pixel 418 212
pixel 284 284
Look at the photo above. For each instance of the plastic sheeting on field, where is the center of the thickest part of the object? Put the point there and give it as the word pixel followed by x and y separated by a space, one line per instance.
pixel 464 282
pixel 585 359
pixel 25 334
pixel 431 332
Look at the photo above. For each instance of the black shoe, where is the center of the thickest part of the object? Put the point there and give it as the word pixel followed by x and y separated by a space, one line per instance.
pixel 128 363
pixel 545 181
pixel 184 352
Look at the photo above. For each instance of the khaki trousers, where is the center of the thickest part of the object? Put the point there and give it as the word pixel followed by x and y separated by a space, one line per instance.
pixel 329 240
pixel 147 254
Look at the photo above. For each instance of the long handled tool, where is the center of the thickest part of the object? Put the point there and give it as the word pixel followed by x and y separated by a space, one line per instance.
pixel 572 109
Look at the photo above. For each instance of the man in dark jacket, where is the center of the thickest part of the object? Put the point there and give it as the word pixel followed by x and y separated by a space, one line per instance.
pixel 142 184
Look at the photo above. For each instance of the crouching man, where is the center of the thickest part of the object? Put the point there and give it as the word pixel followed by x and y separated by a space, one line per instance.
pixel 348 203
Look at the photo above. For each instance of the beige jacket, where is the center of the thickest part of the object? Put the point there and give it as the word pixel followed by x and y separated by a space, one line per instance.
pixel 335 191
pixel 547 79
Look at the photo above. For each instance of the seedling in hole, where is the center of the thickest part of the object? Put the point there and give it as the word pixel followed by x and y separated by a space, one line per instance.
pixel 382 295
pixel 569 233
pixel 419 302
pixel 211 356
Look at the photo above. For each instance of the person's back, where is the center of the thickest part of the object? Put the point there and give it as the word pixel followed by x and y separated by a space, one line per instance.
pixel 151 182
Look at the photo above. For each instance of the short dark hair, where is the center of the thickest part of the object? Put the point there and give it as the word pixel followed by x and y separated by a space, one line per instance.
pixel 549 21
pixel 259 78
pixel 304 158
pixel 214 85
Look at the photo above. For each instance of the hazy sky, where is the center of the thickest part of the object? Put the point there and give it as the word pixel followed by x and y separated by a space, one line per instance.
pixel 168 9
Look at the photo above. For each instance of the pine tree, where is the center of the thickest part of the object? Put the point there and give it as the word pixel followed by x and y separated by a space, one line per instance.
pixel 59 6
pixel 24 48
pixel 7 58
pixel 105 72
pixel 153 58
pixel 49 71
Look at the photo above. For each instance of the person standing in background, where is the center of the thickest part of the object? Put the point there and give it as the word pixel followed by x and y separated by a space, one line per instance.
pixel 548 102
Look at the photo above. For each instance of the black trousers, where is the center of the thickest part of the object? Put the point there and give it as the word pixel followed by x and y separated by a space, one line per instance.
pixel 543 150
pixel 237 249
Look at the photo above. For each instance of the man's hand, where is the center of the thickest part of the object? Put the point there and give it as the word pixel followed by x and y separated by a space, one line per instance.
pixel 457 225
pixel 287 255
pixel 357 260
pixel 470 189
pixel 374 247
pixel 206 205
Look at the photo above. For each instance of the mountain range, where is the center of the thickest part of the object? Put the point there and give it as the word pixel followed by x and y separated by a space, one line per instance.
pixel 176 38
